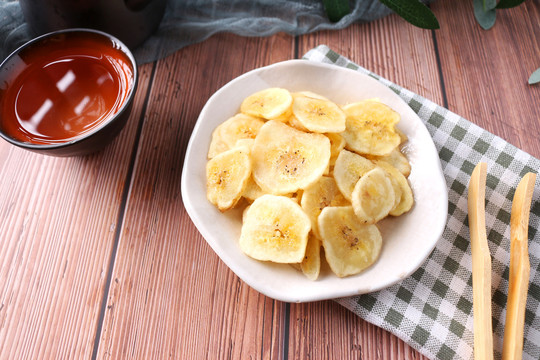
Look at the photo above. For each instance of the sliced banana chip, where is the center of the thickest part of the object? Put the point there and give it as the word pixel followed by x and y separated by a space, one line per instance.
pixel 310 94
pixel 311 265
pixel 271 103
pixel 298 196
pixel 245 142
pixel 318 115
pixel 402 136
pixel 406 201
pixel 349 246
pixel 398 192
pixel 227 175
pixel 275 229
pixel 295 123
pixel 285 117
pixel 286 159
pixel 370 128
pixel 319 195
pixel 252 190
pixel 238 127
pixel 373 196
pixel 337 143
pixel 397 159
pixel 350 167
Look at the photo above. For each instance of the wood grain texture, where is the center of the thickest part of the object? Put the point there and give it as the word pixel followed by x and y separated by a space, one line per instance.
pixel 389 47
pixel 171 295
pixel 485 77
pixel 59 218
pixel 99 258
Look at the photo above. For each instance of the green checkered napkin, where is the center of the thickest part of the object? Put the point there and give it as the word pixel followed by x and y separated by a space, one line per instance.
pixel 432 309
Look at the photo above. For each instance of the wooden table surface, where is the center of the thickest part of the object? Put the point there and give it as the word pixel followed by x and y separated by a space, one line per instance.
pixel 98 258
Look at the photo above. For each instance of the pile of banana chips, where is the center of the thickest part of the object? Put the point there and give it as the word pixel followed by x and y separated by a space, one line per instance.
pixel 314 178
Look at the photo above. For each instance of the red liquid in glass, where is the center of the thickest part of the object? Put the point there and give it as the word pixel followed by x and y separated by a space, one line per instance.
pixel 64 89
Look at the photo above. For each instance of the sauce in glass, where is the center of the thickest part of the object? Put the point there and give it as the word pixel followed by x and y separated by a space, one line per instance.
pixel 62 88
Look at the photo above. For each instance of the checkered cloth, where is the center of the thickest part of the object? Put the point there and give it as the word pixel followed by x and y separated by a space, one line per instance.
pixel 432 310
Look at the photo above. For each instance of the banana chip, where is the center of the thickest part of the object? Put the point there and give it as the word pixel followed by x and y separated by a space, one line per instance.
pixel 295 123
pixel 370 128
pixel 275 229
pixel 348 169
pixel 286 159
pixel 318 115
pixel 311 265
pixel 406 200
pixel 397 159
pixel 349 246
pixel 402 136
pixel 310 94
pixel 252 190
pixel 238 127
pixel 337 143
pixel 319 195
pixel 227 175
pixel 285 116
pixel 245 142
pixel 373 196
pixel 272 103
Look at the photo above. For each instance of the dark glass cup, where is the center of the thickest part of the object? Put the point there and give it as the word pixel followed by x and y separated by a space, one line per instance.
pixel 131 21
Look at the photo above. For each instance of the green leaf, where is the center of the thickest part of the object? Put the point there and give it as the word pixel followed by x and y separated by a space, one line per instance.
pixel 489 4
pixel 336 9
pixel 507 4
pixel 484 12
pixel 414 12
pixel 535 77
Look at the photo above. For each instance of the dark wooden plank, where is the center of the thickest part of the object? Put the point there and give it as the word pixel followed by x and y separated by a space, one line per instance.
pixel 171 296
pixel 485 73
pixel 58 225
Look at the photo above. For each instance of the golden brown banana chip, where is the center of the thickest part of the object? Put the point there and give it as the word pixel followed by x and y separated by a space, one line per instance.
pixel 370 128
pixel 337 143
pixel 406 201
pixel 349 246
pixel 272 103
pixel 238 127
pixel 295 123
pixel 311 265
pixel 373 196
pixel 245 142
pixel 319 195
pixel 402 136
pixel 318 115
pixel 275 229
pixel 310 94
pixel 350 167
pixel 252 190
pixel 286 159
pixel 397 159
pixel 227 175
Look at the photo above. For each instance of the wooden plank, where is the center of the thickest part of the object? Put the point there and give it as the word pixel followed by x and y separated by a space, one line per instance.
pixel 389 47
pixel 486 76
pixel 59 218
pixel 405 55
pixel 171 296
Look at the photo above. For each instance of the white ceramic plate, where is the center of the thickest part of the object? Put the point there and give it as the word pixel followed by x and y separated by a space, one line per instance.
pixel 407 240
